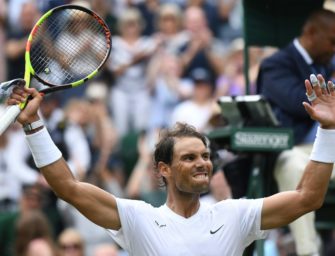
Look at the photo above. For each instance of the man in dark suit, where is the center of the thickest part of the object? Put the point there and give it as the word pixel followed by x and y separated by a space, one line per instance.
pixel 281 81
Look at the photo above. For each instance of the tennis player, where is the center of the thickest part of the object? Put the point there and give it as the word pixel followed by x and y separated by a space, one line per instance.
pixel 184 226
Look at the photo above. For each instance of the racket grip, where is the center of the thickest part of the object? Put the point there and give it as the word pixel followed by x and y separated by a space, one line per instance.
pixel 9 117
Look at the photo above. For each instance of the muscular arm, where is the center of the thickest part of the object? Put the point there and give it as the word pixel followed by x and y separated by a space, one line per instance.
pixel 93 202
pixel 283 208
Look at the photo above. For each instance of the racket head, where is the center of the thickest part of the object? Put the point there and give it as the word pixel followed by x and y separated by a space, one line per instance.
pixel 67 46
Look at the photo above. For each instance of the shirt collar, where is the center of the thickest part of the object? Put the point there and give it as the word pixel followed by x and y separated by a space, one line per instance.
pixel 303 52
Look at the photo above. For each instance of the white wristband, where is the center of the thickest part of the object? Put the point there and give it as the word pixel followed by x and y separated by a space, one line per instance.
pixel 324 146
pixel 43 149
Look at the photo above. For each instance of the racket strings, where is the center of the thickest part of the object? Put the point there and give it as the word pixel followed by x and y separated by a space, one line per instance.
pixel 68 46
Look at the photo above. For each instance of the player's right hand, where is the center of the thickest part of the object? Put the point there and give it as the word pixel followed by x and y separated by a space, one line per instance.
pixel 322 108
pixel 20 95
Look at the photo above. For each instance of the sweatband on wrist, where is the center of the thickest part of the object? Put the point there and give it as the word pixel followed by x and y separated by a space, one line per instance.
pixel 324 146
pixel 43 149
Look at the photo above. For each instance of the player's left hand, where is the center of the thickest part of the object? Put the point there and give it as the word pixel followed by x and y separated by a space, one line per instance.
pixel 322 101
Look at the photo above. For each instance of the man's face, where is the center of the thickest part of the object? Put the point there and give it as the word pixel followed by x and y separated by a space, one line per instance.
pixel 31 199
pixel 195 20
pixel 324 45
pixel 202 91
pixel 191 167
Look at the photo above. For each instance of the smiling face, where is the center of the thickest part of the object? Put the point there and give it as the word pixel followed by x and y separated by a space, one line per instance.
pixel 191 167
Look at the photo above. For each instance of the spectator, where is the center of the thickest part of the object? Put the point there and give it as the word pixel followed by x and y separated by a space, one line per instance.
pixel 280 81
pixel 14 171
pixel 202 50
pixel 71 243
pixel 33 235
pixel 83 33
pixel 105 9
pixel 129 97
pixel 232 80
pixel 169 28
pixel 219 189
pixel 31 199
pixel 46 5
pixel 167 88
pixel 148 9
pixel 65 128
pixel 99 128
pixel 106 250
pixel 211 13
pixel 14 7
pixel 198 110
pixel 119 6
pixel 230 12
pixel 90 234
pixel 16 40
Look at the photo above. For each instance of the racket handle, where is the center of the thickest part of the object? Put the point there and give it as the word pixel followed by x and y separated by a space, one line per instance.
pixel 9 117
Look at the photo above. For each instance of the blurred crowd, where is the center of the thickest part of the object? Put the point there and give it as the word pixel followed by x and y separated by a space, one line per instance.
pixel 170 61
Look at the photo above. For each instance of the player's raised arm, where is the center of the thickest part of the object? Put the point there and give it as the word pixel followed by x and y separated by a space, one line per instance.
pixel 93 202
pixel 282 208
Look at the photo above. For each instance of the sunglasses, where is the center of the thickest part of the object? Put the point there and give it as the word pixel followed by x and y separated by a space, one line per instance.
pixel 72 247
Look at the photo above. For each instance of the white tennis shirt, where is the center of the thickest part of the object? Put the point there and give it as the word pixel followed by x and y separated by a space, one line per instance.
pixel 224 228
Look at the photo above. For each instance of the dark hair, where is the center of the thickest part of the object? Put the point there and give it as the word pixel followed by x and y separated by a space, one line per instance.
pixel 165 147
pixel 32 225
pixel 320 17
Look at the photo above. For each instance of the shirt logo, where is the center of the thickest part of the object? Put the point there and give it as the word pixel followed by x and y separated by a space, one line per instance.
pixel 160 225
pixel 214 231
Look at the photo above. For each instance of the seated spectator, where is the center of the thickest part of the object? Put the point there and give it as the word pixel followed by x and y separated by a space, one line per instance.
pixel 198 110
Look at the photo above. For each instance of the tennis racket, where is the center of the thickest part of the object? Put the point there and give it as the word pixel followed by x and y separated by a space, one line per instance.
pixel 67 46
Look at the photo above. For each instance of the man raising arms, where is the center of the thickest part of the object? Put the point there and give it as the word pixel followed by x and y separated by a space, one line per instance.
pixel 184 226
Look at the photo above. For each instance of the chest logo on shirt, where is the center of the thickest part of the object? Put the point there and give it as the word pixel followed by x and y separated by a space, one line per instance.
pixel 160 225
pixel 214 231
